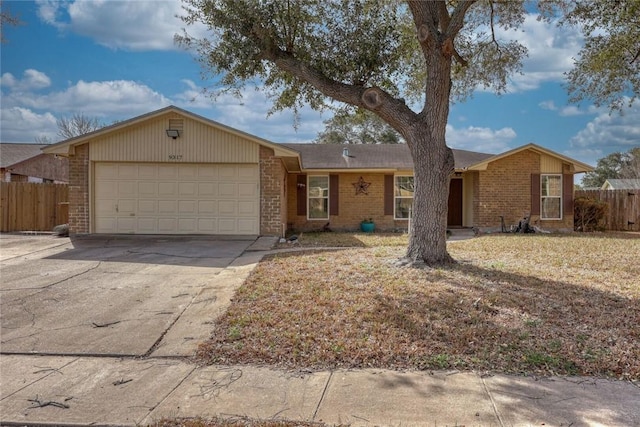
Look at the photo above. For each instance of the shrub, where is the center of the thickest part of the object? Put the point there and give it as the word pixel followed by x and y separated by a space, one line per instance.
pixel 589 214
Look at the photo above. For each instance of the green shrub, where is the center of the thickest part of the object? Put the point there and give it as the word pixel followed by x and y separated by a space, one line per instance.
pixel 589 214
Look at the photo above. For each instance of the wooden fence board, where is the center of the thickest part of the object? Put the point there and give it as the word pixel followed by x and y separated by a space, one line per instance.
pixel 27 206
pixel 624 207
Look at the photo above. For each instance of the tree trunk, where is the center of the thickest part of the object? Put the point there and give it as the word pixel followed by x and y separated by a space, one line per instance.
pixel 433 163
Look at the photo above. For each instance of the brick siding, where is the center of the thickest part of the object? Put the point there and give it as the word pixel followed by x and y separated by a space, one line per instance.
pixel 352 208
pixel 272 193
pixel 79 190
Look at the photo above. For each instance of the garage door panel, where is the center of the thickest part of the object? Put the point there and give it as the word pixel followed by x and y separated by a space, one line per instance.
pixel 227 189
pixel 207 225
pixel 167 189
pixel 147 207
pixel 147 189
pixel 127 189
pixel 188 189
pixel 207 172
pixel 207 207
pixel 126 206
pixel 167 171
pixel 148 171
pixel 107 189
pixel 227 226
pixel 147 225
pixel 246 225
pixel 187 225
pixel 227 207
pixel 161 198
pixel 247 173
pixel 246 189
pixel 167 207
pixel 105 224
pixel 128 171
pixel 247 208
pixel 187 207
pixel 126 224
pixel 167 225
pixel 227 172
pixel 207 190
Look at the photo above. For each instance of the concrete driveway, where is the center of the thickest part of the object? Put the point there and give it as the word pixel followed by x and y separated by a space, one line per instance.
pixel 115 295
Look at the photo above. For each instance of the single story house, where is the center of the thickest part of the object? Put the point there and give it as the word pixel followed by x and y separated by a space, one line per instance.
pixel 21 162
pixel 621 184
pixel 174 172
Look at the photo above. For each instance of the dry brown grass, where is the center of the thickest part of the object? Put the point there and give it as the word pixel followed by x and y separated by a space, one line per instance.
pixel 231 422
pixel 534 304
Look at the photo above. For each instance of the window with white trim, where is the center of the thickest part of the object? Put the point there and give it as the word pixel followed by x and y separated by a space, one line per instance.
pixel 403 196
pixel 551 197
pixel 318 197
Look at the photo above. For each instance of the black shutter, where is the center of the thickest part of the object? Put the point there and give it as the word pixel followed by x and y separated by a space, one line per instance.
pixel 388 194
pixel 334 195
pixel 301 182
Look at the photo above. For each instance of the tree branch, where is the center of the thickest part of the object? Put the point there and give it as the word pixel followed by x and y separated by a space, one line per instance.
pixel 456 22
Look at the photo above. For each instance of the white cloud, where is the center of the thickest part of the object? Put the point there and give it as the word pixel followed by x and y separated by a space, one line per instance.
pixel 480 139
pixel 32 79
pixel 606 133
pixel 23 125
pixel 551 51
pixel 572 110
pixel 107 98
pixel 250 115
pixel 129 25
pixel 548 105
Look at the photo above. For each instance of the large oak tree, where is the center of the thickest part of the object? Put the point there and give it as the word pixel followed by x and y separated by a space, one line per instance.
pixel 384 56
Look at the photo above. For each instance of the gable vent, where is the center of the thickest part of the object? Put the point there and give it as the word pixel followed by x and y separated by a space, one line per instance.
pixel 176 124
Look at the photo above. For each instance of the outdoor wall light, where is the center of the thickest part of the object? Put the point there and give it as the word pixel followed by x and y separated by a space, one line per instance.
pixel 173 133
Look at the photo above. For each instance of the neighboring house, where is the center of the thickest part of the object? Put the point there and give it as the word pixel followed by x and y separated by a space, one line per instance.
pixel 174 172
pixel 27 163
pixel 621 184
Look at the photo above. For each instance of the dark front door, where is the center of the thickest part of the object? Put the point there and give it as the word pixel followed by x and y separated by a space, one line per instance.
pixel 454 216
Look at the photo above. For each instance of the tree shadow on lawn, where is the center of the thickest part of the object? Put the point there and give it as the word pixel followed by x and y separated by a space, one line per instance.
pixel 507 322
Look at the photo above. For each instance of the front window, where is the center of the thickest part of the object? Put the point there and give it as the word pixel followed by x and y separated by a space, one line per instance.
pixel 551 197
pixel 403 197
pixel 318 197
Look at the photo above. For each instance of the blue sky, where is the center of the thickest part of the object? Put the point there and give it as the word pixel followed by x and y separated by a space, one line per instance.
pixel 116 59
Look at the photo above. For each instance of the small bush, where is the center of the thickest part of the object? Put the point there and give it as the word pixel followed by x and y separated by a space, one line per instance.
pixel 589 214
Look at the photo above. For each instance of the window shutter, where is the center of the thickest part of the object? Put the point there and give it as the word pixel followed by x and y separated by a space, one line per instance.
pixel 333 195
pixel 301 182
pixel 388 194
pixel 535 194
pixel 567 195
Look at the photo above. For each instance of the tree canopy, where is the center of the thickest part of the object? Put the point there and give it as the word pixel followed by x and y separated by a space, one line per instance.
pixel 614 166
pixel 362 127
pixel 402 61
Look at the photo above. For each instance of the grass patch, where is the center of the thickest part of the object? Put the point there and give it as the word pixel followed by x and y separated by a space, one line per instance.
pixel 514 303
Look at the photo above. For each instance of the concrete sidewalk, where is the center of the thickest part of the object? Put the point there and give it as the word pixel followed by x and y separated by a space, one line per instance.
pixel 56 390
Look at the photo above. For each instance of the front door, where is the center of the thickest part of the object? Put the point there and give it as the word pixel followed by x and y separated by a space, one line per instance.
pixel 454 216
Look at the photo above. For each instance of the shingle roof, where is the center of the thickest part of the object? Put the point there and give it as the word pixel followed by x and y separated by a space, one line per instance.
pixel 624 184
pixel 12 153
pixel 370 156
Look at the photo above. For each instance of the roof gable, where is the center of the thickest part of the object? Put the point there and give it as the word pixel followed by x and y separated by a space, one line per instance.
pixel 579 166
pixel 13 153
pixel 67 146
pixel 622 184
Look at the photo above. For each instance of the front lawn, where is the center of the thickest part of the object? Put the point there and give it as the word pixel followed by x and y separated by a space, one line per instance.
pixel 535 304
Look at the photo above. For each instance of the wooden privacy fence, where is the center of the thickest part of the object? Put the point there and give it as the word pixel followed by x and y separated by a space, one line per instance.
pixel 27 206
pixel 624 207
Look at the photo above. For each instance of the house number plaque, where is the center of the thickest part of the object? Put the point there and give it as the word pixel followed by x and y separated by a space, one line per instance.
pixel 175 156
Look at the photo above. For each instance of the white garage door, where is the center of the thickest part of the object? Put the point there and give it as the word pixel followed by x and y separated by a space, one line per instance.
pixel 166 198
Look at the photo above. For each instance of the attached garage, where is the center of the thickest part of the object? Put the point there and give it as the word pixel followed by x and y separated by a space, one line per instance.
pixel 174 172
pixel 165 198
